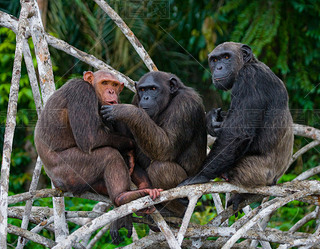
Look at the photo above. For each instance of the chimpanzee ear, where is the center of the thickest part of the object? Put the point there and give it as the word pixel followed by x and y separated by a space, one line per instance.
pixel 88 76
pixel 173 83
pixel 246 53
pixel 121 87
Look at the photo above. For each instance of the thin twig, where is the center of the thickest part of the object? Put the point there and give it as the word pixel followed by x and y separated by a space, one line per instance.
pixel 31 236
pixel 11 22
pixel 280 202
pixel 304 150
pixel 10 126
pixel 98 236
pixel 186 219
pixel 307 174
pixel 165 229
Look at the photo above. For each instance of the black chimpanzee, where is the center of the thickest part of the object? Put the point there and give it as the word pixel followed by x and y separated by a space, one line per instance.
pixel 254 144
pixel 167 121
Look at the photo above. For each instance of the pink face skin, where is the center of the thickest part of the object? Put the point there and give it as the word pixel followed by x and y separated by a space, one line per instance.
pixel 106 86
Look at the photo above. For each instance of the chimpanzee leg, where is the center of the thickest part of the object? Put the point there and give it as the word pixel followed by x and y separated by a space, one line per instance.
pixel 75 171
pixel 165 175
pixel 103 171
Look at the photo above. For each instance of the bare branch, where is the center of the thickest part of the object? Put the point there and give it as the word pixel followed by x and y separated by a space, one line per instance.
pixel 129 34
pixel 186 219
pixel 43 193
pixel 30 236
pixel 42 51
pixel 98 236
pixel 28 206
pixel 307 174
pixel 266 211
pixel 304 150
pixel 10 22
pixel 10 127
pixel 165 229
pixel 89 59
pixel 306 131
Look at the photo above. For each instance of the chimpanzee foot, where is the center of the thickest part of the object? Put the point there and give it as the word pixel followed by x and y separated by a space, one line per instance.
pixel 235 201
pixel 128 196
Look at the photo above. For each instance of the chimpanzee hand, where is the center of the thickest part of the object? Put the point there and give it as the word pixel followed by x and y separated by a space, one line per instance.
pixel 125 222
pixel 154 193
pixel 106 112
pixel 214 120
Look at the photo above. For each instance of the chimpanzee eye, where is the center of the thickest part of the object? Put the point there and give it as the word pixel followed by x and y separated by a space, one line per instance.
pixel 142 89
pixel 104 83
pixel 226 57
pixel 153 88
pixel 115 84
pixel 215 59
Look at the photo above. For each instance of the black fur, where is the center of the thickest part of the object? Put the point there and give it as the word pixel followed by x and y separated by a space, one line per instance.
pixel 167 121
pixel 254 145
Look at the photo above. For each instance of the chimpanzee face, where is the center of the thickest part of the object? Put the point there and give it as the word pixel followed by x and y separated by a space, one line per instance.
pixel 155 93
pixel 222 65
pixel 106 86
pixel 225 61
pixel 151 94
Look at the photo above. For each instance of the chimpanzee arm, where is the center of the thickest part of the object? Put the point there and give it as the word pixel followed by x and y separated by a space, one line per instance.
pixel 235 138
pixel 86 123
pixel 175 130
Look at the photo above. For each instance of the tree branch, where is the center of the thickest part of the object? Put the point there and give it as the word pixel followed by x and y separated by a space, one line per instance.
pixel 10 126
pixel 129 34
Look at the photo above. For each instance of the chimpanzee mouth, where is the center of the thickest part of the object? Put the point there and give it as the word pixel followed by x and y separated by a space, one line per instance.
pixel 221 78
pixel 111 103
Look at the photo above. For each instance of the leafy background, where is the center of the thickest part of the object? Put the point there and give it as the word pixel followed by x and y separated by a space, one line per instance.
pixel 178 35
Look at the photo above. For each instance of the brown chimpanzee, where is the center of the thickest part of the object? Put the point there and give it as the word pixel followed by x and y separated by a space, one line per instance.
pixel 80 153
pixel 254 144
pixel 167 120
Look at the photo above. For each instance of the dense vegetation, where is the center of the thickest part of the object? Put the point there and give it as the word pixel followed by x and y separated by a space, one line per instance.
pixel 178 36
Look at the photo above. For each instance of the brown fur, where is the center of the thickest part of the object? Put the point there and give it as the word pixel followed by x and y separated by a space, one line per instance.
pixel 171 141
pixel 79 153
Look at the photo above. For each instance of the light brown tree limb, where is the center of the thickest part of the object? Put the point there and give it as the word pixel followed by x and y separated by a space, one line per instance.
pixel 264 212
pixel 11 22
pixel 31 236
pixel 129 34
pixel 10 127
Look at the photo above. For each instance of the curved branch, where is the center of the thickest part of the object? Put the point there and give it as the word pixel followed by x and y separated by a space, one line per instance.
pixel 306 131
pixel 264 212
pixel 10 126
pixel 310 172
pixel 129 34
pixel 304 150
pixel 43 193
pixel 31 236
pixel 11 22
pixel 222 187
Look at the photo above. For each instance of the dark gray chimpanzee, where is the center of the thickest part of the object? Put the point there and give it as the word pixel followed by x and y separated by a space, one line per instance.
pixel 254 144
pixel 167 120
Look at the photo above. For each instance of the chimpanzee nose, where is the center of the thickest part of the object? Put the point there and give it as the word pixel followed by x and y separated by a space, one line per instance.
pixel 219 67
pixel 146 97
pixel 111 91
